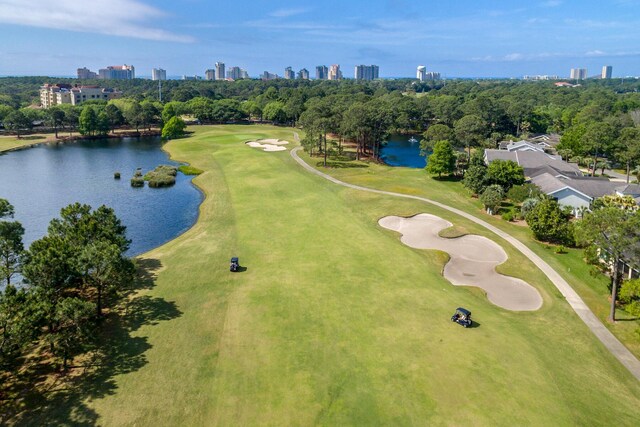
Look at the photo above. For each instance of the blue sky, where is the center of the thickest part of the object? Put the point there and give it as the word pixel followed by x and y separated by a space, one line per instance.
pixel 462 38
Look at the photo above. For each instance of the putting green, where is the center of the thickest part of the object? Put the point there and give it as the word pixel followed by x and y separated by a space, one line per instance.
pixel 335 321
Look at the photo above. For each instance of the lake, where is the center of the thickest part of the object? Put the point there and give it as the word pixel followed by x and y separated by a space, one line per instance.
pixel 401 151
pixel 40 181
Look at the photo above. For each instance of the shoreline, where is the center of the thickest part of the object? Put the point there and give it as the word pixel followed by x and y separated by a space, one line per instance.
pixel 66 139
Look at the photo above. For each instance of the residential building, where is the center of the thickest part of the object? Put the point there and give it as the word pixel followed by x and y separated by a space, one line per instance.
pixel 561 180
pixel 540 77
pixel 432 75
pixel 122 72
pixel 578 73
pixel 303 74
pixel 322 72
pixel 269 76
pixel 191 77
pixel 57 94
pixel 334 72
pixel 158 74
pixel 607 70
pixel 220 74
pixel 210 74
pixel 289 74
pixel 534 162
pixel 244 74
pixel 234 73
pixel 366 72
pixel 86 74
pixel 421 73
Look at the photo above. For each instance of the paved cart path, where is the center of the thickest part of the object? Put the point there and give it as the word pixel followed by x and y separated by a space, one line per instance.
pixel 582 310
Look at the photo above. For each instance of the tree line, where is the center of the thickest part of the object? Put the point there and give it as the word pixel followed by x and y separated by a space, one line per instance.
pixel 70 277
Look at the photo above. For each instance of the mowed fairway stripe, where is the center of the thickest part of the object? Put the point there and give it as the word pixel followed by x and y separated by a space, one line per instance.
pixel 335 322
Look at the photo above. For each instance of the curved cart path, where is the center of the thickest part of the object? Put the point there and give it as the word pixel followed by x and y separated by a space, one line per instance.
pixel 582 310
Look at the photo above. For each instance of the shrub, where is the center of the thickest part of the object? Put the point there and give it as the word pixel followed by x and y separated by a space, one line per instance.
pixel 161 181
pixel 549 223
pixel 492 197
pixel 161 176
pixel 508 216
pixel 174 128
pixel 476 179
pixel 137 181
pixel 505 173
pixel 519 193
pixel 189 170
pixel 560 249
pixel 527 205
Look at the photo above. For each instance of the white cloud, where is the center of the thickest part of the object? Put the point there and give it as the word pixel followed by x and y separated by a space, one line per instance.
pixel 284 13
pixel 513 57
pixel 124 18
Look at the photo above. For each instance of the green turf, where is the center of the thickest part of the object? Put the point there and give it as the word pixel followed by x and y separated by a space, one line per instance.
pixel 335 321
pixel 592 288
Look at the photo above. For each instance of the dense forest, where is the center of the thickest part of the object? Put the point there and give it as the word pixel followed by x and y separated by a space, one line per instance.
pixel 469 112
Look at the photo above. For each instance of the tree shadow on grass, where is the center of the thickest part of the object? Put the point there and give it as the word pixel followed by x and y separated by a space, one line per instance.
pixel 45 396
pixel 341 165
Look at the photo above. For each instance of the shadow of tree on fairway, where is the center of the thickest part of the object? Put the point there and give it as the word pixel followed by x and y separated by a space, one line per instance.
pixel 341 165
pixel 45 396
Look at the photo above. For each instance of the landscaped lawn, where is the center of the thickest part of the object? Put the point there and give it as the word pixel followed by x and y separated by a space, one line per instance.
pixel 592 288
pixel 335 321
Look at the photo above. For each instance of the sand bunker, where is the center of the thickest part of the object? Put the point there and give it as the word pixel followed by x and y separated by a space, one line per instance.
pixel 268 144
pixel 473 260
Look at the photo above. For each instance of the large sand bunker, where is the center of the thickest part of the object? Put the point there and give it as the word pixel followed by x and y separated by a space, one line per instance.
pixel 473 260
pixel 268 144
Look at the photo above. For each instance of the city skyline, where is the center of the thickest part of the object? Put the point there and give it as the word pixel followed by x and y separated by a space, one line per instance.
pixel 465 39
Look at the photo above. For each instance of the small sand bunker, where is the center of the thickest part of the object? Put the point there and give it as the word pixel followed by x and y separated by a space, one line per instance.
pixel 473 260
pixel 268 144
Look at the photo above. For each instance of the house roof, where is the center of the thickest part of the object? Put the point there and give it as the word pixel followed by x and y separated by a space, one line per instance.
pixel 593 187
pixel 532 161
pixel 629 190
pixel 524 146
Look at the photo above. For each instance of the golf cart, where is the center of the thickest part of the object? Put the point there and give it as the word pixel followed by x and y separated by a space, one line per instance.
pixel 235 264
pixel 462 317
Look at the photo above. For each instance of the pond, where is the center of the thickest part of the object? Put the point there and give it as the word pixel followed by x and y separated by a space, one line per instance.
pixel 403 150
pixel 39 181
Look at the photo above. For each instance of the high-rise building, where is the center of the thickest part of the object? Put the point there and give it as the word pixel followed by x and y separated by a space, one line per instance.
pixel 158 74
pixel 122 72
pixel 578 73
pixel 322 72
pixel 607 70
pixel 244 74
pixel 269 76
pixel 303 74
pixel 86 74
pixel 289 74
pixel 210 74
pixel 334 72
pixel 220 74
pixel 366 72
pixel 234 73
pixel 421 73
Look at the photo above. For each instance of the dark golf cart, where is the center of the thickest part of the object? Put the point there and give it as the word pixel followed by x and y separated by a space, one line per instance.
pixel 235 264
pixel 462 317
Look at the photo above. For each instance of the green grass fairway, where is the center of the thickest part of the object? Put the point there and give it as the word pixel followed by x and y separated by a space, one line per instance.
pixel 592 289
pixel 335 321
